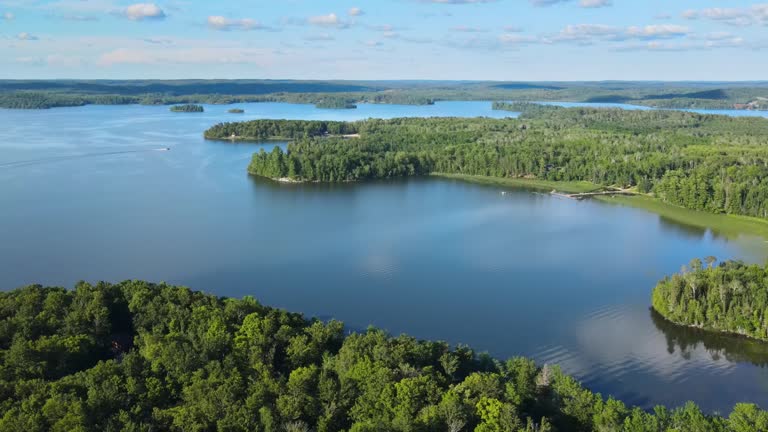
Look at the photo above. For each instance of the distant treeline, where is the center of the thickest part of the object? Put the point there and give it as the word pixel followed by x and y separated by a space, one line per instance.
pixel 345 94
pixel 731 297
pixel 711 163
pixel 137 356
pixel 44 100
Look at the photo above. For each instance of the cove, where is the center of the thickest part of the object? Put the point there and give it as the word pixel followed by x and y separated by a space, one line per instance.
pixel 89 193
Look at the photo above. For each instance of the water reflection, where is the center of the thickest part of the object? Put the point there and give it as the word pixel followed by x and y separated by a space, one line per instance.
pixel 683 228
pixel 686 341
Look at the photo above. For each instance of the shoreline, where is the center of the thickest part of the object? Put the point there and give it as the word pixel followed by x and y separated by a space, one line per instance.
pixel 730 226
pixel 711 330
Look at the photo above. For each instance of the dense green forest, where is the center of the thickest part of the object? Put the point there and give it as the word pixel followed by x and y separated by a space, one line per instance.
pixel 35 94
pixel 188 108
pixel 335 103
pixel 702 162
pixel 137 356
pixel 731 297
pixel 528 108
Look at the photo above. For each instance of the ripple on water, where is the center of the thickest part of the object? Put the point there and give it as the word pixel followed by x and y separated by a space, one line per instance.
pixel 613 345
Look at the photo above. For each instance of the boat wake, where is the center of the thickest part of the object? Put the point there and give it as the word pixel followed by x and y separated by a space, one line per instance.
pixel 29 162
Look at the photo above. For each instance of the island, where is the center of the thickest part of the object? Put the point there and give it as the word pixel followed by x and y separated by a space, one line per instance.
pixel 189 108
pixel 236 111
pixel 711 164
pixel 143 356
pixel 731 297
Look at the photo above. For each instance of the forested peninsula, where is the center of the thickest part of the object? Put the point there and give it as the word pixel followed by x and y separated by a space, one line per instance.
pixel 137 356
pixel 731 297
pixel 710 163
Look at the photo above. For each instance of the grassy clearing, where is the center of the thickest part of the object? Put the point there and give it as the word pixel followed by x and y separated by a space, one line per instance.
pixel 568 187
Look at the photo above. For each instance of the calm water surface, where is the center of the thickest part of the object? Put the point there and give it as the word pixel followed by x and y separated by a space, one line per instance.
pixel 88 193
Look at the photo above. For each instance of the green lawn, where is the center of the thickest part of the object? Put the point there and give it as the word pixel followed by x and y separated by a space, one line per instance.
pixel 567 187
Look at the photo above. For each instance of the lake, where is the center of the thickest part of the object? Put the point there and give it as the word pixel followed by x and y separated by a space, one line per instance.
pixel 90 193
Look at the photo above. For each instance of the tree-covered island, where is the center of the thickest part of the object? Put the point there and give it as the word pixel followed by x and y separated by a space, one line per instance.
pixel 137 356
pixel 188 108
pixel 731 297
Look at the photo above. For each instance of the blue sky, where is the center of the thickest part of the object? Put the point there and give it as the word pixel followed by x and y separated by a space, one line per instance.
pixel 386 39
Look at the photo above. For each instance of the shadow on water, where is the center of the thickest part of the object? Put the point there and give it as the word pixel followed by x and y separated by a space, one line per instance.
pixel 682 228
pixel 731 347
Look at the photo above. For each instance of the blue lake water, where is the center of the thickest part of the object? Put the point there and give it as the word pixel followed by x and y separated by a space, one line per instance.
pixel 90 193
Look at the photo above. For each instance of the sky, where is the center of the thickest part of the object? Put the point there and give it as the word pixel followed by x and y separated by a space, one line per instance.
pixel 515 40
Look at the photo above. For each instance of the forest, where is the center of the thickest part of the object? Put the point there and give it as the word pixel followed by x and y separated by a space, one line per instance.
pixel 731 297
pixel 711 163
pixel 137 356
pixel 39 94
pixel 188 108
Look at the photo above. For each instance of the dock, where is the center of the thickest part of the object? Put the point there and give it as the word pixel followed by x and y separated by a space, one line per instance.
pixel 583 195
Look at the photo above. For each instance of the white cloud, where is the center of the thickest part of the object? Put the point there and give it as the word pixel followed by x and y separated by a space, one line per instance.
pixel 7 16
pixel 142 11
pixel 190 55
pixel 517 39
pixel 26 36
pixel 595 3
pixel 741 17
pixel 218 22
pixel 330 20
pixel 657 31
pixel 735 42
pixel 355 11
pixel 590 33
